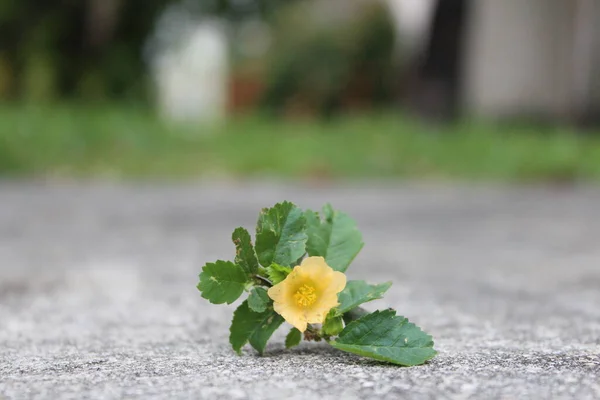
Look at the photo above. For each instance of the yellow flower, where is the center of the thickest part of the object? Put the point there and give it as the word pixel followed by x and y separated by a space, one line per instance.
pixel 308 293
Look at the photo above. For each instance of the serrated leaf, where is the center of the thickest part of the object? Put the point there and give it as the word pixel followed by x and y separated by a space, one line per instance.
pixel 222 282
pixel 259 300
pixel 335 237
pixel 293 338
pixel 280 235
pixel 358 292
pixel 256 328
pixel 260 338
pixel 244 252
pixel 384 336
pixel 278 273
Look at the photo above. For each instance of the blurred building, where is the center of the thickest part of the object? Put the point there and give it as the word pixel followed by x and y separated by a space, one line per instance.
pixel 533 59
pixel 442 58
pixel 512 58
pixel 535 56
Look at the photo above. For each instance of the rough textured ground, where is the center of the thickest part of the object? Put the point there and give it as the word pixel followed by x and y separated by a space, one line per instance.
pixel 98 297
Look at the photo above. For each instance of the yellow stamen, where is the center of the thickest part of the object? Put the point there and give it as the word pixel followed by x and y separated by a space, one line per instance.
pixel 305 296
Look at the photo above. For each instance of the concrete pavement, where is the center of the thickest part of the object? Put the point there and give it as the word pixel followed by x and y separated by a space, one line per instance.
pixel 98 297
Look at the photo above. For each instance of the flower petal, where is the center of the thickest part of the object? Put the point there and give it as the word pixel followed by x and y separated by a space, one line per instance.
pixel 292 315
pixel 314 267
pixel 277 292
pixel 337 282
pixel 318 313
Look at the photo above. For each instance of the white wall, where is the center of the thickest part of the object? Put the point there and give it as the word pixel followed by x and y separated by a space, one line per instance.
pixel 519 58
pixel 412 19
pixel 189 59
pixel 586 55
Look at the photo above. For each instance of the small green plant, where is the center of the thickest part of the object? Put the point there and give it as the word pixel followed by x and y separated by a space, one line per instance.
pixel 295 273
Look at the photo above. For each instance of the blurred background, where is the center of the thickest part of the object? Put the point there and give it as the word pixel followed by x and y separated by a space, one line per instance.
pixel 372 105
pixel 306 89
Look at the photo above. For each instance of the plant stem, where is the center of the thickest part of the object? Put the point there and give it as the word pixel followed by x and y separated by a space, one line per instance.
pixel 264 280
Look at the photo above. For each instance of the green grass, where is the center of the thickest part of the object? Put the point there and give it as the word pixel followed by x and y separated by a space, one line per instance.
pixel 128 142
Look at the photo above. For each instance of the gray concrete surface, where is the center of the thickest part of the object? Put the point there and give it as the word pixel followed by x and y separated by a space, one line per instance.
pixel 98 297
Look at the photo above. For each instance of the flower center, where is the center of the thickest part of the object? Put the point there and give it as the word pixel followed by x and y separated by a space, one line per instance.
pixel 305 296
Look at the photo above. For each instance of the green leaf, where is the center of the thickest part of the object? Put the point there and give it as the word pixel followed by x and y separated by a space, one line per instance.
pixel 278 273
pixel 256 328
pixel 386 337
pixel 335 238
pixel 358 292
pixel 259 300
pixel 280 235
pixel 333 324
pixel 293 338
pixel 244 252
pixel 354 314
pixel 222 282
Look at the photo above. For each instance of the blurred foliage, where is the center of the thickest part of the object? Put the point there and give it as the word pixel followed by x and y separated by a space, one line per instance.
pixel 121 141
pixel 236 10
pixel 90 49
pixel 328 55
pixel 324 52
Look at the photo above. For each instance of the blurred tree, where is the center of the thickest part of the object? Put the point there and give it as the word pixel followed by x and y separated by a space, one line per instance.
pixel 331 55
pixel 90 49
